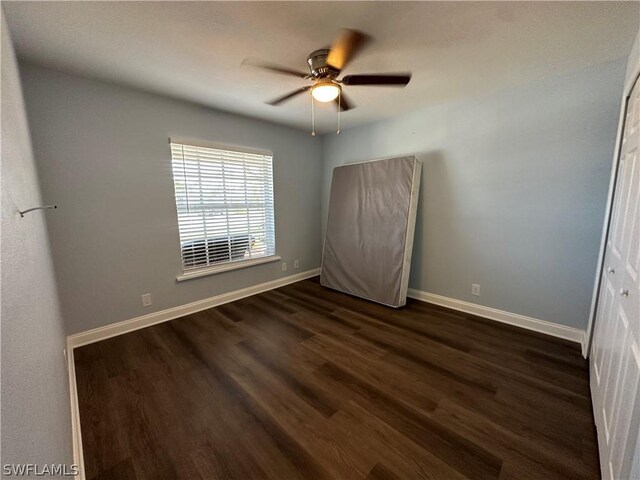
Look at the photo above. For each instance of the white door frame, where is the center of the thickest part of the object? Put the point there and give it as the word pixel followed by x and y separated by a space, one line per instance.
pixel 635 73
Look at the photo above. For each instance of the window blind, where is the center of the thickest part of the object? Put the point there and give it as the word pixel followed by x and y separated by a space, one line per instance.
pixel 224 201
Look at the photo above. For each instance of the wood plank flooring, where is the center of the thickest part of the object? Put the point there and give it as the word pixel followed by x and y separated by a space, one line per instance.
pixel 306 383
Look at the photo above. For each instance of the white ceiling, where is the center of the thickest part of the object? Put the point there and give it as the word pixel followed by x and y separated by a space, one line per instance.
pixel 193 50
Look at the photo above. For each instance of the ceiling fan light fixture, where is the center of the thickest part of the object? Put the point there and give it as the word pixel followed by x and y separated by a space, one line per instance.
pixel 325 91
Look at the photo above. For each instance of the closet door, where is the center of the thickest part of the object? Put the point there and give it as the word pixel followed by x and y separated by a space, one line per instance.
pixel 615 357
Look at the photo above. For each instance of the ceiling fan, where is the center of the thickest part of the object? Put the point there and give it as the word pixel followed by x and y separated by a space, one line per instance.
pixel 325 65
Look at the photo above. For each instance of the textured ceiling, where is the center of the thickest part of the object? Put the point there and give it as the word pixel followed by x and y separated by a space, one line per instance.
pixel 193 50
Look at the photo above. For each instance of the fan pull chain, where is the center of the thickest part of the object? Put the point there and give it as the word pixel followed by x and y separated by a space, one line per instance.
pixel 313 118
pixel 339 108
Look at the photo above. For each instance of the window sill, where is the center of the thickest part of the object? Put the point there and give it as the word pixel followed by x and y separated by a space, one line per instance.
pixel 203 272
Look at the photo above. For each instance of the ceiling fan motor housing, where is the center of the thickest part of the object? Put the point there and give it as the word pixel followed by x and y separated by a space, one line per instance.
pixel 318 64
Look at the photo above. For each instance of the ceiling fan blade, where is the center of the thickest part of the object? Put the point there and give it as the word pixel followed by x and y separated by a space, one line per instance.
pixel 397 79
pixel 345 47
pixel 253 62
pixel 279 100
pixel 344 103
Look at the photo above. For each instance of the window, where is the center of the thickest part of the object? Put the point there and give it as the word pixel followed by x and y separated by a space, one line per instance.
pixel 224 200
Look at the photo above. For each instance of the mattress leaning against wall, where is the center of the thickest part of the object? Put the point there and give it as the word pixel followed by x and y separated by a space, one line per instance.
pixel 370 227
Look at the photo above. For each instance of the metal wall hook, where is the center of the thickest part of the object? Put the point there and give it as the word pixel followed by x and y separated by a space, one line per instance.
pixel 46 207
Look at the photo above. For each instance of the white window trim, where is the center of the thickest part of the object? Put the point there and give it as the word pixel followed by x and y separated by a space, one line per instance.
pixel 233 265
pixel 219 146
pixel 203 272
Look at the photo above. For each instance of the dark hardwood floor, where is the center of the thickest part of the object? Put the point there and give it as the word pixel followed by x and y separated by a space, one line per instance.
pixel 305 382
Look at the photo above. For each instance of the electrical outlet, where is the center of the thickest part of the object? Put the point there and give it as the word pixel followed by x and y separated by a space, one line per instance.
pixel 296 264
pixel 475 289
pixel 284 266
pixel 146 299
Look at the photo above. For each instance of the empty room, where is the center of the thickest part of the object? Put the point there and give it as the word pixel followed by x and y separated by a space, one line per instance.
pixel 320 240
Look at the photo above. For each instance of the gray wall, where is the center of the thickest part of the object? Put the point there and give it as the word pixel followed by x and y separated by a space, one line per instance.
pixel 35 389
pixel 513 191
pixel 103 155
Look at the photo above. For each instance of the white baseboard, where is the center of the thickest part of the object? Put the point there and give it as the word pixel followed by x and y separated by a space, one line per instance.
pixel 530 323
pixel 76 435
pixel 119 328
